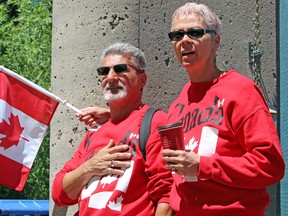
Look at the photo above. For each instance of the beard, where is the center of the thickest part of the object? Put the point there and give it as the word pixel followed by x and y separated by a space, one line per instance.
pixel 114 95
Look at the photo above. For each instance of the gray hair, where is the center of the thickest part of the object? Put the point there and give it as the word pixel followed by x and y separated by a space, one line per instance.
pixel 137 56
pixel 191 8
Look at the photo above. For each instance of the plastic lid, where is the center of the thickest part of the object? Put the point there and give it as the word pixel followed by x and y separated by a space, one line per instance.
pixel 171 125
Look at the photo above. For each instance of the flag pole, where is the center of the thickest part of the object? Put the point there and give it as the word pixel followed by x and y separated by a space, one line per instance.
pixel 38 88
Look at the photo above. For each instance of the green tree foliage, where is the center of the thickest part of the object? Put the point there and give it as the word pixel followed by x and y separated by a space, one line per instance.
pixel 25 48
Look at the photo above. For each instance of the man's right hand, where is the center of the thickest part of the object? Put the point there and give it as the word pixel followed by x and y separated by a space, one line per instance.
pixel 109 160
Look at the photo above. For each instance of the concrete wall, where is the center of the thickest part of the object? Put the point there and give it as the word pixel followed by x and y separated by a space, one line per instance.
pixel 82 28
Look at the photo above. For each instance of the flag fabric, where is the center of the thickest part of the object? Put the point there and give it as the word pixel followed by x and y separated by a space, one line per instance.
pixel 25 114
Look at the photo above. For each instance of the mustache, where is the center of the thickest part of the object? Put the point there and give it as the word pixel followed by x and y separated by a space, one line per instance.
pixel 114 85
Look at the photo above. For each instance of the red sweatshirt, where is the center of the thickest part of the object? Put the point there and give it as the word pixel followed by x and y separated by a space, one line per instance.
pixel 227 122
pixel 142 186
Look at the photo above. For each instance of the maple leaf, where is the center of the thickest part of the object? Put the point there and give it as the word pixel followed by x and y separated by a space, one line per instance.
pixel 116 206
pixel 107 180
pixel 192 144
pixel 12 132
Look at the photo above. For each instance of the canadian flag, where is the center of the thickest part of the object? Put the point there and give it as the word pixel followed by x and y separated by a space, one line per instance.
pixel 25 113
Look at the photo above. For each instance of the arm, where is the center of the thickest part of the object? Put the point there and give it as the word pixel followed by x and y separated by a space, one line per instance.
pixel 100 164
pixel 163 209
pixel 160 178
pixel 259 166
pixel 94 116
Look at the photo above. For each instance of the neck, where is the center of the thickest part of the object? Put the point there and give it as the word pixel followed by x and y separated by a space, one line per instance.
pixel 203 74
pixel 118 109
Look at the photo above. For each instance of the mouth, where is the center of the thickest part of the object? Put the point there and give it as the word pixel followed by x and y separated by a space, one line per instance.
pixel 187 53
pixel 113 88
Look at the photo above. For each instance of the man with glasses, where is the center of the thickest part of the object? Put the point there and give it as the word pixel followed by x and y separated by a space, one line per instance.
pixel 108 174
pixel 232 148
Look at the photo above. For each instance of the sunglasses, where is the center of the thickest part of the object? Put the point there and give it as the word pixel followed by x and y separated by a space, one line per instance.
pixel 192 33
pixel 119 68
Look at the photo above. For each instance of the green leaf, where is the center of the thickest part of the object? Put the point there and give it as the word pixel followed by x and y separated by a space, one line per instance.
pixel 25 48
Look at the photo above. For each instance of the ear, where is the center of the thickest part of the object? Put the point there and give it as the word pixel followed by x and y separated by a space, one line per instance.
pixel 217 39
pixel 143 79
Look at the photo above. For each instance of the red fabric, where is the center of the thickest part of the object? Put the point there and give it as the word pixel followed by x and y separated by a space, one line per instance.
pixel 13 174
pixel 141 187
pixel 227 122
pixel 25 114
pixel 27 99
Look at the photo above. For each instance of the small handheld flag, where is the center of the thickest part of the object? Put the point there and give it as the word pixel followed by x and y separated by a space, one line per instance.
pixel 26 110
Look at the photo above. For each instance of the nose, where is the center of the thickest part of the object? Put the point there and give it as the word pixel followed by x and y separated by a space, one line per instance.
pixel 112 75
pixel 186 39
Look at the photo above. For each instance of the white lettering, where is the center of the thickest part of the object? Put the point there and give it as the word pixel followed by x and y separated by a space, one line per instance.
pixel 220 103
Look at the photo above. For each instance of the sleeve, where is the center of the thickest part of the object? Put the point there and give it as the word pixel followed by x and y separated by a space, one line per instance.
pixel 58 194
pixel 262 163
pixel 160 178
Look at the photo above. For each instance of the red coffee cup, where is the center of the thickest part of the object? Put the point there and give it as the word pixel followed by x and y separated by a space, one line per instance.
pixel 172 136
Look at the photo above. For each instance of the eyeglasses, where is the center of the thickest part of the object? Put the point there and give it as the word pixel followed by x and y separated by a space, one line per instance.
pixel 119 68
pixel 192 33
